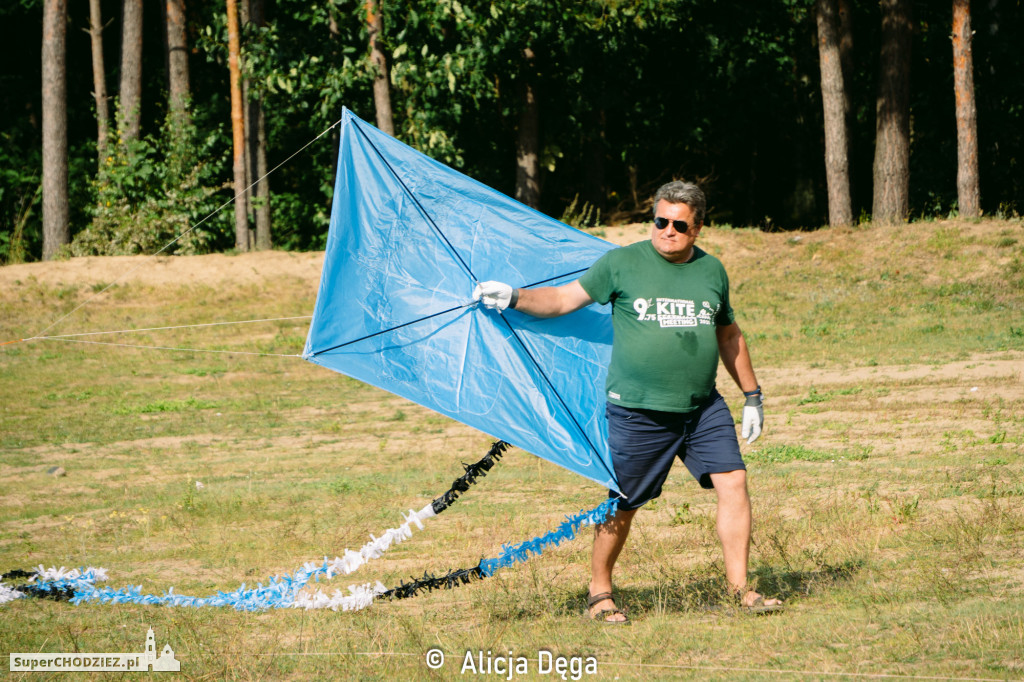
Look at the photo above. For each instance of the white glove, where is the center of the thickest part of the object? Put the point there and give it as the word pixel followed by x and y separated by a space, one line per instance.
pixel 753 418
pixel 496 295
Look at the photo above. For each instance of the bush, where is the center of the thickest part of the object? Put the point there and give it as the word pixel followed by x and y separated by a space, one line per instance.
pixel 151 191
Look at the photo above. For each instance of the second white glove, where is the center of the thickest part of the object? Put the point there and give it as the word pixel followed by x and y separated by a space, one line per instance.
pixel 753 418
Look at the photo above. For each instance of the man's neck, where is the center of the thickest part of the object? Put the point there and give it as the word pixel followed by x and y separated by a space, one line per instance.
pixel 682 258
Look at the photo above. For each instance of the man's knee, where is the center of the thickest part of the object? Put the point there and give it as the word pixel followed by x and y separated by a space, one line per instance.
pixel 618 523
pixel 730 482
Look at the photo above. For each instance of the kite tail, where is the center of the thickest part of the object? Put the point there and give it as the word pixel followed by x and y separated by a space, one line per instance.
pixel 509 555
pixel 78 586
pixel 286 591
pixel 473 471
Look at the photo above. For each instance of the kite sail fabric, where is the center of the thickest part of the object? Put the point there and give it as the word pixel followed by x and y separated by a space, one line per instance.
pixel 409 239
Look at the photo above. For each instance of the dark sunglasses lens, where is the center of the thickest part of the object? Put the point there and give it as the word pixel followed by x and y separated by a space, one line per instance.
pixel 680 225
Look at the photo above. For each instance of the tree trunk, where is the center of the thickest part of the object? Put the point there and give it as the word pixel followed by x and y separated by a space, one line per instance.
pixel 56 231
pixel 846 56
pixel 891 202
pixel 130 105
pixel 967 190
pixel 237 131
pixel 178 86
pixel 833 98
pixel 247 128
pixel 99 80
pixel 263 224
pixel 258 150
pixel 528 141
pixel 849 86
pixel 381 90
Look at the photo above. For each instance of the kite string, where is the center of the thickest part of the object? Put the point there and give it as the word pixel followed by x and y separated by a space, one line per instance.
pixel 180 236
pixel 171 348
pixel 160 329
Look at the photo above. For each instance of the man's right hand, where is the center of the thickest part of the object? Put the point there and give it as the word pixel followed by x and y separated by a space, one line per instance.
pixel 494 295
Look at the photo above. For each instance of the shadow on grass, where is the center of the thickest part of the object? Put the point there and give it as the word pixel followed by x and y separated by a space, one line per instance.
pixel 709 594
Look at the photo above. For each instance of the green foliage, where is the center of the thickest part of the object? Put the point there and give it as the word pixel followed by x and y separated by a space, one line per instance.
pixel 20 196
pixel 151 191
pixel 631 93
pixel 581 216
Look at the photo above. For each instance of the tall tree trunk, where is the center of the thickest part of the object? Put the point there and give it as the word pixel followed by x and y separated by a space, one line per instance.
pixel 130 104
pixel 967 190
pixel 381 89
pixel 178 85
pixel 846 59
pixel 833 98
pixel 845 28
pixel 256 130
pixel 891 202
pixel 528 140
pixel 249 114
pixel 56 230
pixel 263 224
pixel 237 131
pixel 99 79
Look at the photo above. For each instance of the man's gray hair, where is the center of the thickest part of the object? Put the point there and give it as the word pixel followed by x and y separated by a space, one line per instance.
pixel 681 192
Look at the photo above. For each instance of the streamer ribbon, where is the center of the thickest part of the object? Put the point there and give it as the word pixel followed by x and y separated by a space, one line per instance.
pixel 78 586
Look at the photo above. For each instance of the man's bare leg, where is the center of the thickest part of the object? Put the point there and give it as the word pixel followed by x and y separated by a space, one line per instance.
pixel 609 538
pixel 734 521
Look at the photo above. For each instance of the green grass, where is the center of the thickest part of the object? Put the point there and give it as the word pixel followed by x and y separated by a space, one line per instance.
pixel 887 494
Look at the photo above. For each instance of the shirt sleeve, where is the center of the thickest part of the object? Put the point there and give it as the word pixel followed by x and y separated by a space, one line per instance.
pixel 725 315
pixel 598 281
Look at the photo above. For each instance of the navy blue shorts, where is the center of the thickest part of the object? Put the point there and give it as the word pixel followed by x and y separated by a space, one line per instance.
pixel 645 443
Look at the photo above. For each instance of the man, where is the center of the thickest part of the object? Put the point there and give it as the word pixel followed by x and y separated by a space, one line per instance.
pixel 672 321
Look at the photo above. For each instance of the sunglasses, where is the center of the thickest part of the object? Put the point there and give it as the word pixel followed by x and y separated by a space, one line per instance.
pixel 680 225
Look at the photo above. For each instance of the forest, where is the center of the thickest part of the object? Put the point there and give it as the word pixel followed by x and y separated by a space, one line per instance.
pixel 127 123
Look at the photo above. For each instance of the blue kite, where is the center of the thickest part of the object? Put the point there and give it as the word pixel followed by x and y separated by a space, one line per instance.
pixel 409 239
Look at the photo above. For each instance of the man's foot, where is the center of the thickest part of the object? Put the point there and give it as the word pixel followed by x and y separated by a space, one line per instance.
pixel 752 602
pixel 601 608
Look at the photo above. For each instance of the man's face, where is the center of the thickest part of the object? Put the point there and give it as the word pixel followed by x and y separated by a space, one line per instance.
pixel 673 245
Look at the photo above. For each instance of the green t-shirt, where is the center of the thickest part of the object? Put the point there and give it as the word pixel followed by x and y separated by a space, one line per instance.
pixel 664 315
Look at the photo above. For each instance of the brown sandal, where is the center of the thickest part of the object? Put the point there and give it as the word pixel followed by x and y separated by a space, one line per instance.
pixel 602 615
pixel 758 607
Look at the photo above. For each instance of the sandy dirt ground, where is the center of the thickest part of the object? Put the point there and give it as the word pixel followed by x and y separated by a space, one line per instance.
pixel 896 408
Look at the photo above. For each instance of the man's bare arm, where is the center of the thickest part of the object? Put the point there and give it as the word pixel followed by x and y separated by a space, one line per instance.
pixel 553 301
pixel 732 348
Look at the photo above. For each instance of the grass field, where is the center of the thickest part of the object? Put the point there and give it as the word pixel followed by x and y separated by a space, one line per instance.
pixel 888 487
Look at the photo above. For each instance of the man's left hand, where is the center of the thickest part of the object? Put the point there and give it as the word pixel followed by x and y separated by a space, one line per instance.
pixel 753 418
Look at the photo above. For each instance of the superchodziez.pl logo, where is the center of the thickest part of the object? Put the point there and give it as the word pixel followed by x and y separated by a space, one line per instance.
pixel 147 660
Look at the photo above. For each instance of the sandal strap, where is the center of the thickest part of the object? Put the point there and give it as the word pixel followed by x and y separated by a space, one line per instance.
pixel 594 599
pixel 604 613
